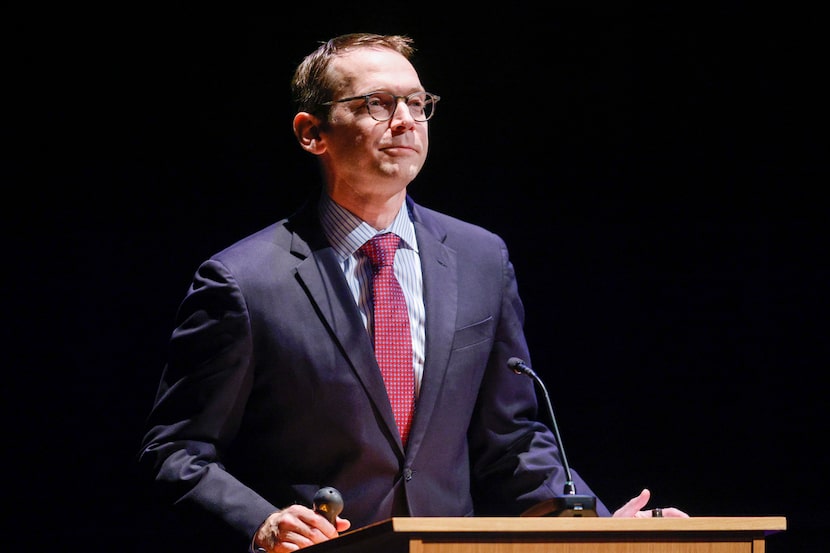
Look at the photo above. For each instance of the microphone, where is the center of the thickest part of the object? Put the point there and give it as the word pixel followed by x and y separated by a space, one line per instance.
pixel 570 504
pixel 328 502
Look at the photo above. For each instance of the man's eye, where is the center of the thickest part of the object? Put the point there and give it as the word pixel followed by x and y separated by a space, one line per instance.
pixel 379 101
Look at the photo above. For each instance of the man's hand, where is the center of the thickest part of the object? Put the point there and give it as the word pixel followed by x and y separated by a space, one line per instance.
pixel 295 527
pixel 634 509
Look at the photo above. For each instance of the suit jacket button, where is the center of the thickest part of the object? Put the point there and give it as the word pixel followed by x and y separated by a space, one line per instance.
pixel 407 474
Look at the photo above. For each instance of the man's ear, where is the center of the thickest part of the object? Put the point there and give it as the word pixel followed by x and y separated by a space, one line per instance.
pixel 307 131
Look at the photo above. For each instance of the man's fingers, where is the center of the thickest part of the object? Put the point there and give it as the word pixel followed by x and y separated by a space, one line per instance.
pixel 634 505
pixel 674 513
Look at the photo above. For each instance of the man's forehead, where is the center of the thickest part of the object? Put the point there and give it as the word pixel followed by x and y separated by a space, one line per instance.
pixel 366 64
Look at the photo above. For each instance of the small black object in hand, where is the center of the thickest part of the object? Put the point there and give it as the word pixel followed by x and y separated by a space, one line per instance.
pixel 328 502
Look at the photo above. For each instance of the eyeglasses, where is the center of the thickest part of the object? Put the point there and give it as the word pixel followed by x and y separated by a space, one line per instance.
pixel 382 105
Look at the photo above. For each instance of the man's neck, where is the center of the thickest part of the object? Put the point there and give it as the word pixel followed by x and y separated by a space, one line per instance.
pixel 377 210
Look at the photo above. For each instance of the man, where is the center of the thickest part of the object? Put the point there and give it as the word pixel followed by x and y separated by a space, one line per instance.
pixel 273 386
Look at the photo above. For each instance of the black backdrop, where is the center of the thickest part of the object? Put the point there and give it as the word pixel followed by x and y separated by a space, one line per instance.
pixel 656 174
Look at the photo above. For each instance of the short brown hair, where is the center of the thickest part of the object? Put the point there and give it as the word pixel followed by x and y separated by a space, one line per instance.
pixel 311 86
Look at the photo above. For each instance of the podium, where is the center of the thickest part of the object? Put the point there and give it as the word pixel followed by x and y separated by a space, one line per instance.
pixel 557 535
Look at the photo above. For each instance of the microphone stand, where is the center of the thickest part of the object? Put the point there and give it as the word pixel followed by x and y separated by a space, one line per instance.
pixel 569 504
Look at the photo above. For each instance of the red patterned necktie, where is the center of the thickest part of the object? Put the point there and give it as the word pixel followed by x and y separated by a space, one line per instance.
pixel 393 341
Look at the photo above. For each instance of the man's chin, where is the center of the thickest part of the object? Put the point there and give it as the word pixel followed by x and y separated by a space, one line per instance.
pixel 403 171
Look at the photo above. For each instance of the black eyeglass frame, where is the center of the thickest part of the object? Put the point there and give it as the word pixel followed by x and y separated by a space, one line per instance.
pixel 365 98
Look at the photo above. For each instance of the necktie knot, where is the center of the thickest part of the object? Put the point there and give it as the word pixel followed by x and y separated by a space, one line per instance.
pixel 381 249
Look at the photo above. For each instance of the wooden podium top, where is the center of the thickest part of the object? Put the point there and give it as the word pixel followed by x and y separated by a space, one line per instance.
pixel 581 524
pixel 513 534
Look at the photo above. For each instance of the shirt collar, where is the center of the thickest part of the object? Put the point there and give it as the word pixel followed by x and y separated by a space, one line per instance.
pixel 346 232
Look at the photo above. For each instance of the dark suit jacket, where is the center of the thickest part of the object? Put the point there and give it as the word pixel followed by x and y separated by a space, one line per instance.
pixel 272 391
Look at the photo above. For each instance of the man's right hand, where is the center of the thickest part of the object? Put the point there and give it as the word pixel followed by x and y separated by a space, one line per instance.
pixel 296 527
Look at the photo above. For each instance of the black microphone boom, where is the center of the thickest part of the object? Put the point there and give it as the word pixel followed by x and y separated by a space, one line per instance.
pixel 570 503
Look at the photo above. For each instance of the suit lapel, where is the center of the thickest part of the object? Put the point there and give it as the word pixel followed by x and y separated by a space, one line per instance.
pixel 321 277
pixel 438 264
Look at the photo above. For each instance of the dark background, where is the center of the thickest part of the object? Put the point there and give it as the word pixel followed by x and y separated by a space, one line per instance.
pixel 658 176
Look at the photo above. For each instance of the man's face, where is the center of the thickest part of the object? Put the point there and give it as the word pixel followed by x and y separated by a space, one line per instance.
pixel 364 156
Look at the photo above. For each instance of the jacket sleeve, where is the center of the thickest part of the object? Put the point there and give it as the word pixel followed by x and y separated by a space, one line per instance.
pixel 199 405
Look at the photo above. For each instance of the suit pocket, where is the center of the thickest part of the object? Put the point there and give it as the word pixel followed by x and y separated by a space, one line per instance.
pixel 473 334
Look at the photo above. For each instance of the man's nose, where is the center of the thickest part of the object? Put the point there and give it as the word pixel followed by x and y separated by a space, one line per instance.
pixel 402 116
